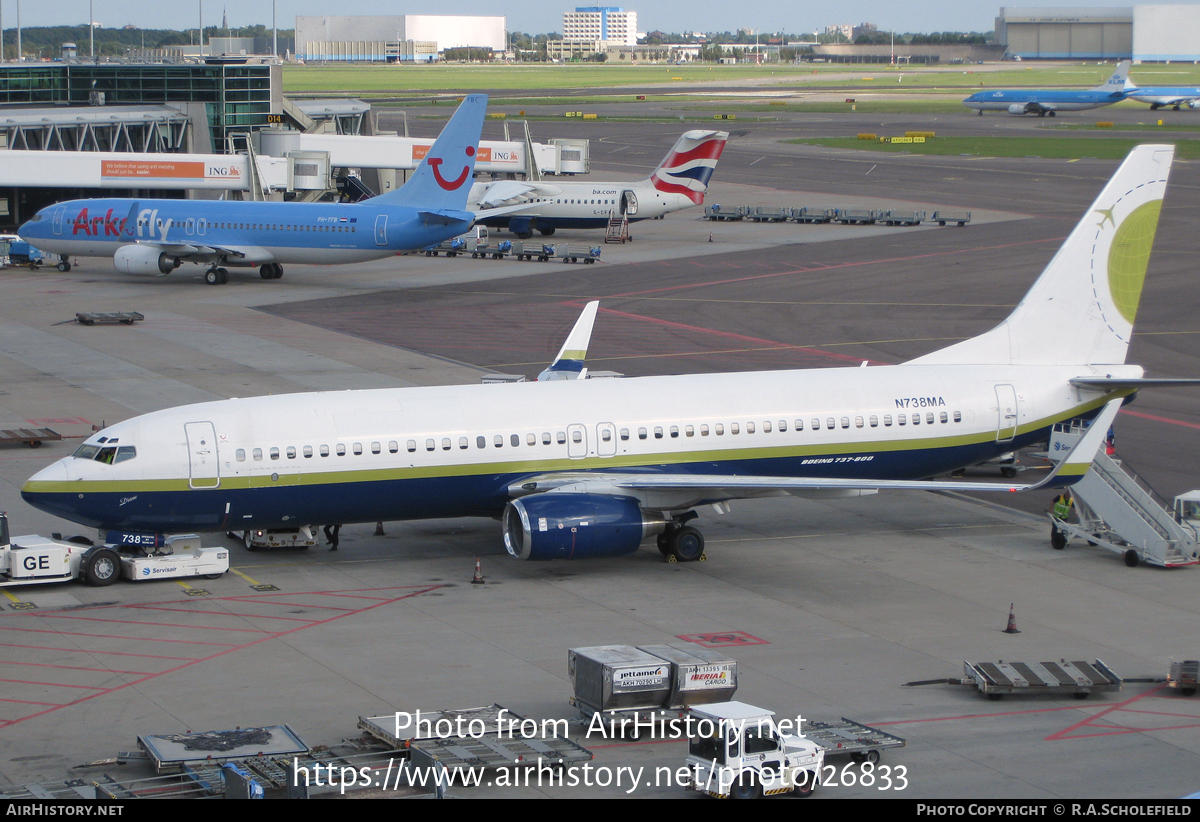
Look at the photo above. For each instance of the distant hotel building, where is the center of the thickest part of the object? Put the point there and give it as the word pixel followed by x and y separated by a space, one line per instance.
pixel 607 23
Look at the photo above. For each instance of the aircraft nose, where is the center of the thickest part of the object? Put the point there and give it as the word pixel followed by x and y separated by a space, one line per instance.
pixel 55 472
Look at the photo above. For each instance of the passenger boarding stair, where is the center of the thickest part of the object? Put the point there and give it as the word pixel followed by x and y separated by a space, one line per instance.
pixel 618 229
pixel 1118 510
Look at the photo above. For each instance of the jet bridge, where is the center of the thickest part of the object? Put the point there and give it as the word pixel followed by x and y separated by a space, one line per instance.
pixel 1119 511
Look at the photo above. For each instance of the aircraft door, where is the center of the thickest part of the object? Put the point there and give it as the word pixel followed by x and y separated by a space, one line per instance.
pixel 606 439
pixel 381 230
pixel 577 444
pixel 629 204
pixel 204 470
pixel 58 220
pixel 1006 406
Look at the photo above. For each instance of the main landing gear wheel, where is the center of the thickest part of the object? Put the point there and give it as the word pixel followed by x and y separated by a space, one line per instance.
pixel 664 543
pixel 1057 540
pixel 523 235
pixel 64 266
pixel 102 568
pixel 687 545
pixel 547 232
pixel 216 276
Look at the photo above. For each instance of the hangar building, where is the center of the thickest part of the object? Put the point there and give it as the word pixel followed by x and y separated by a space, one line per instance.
pixel 1148 33
pixel 384 37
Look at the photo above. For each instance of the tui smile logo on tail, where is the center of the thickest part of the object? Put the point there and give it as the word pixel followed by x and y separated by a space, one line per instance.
pixel 450 185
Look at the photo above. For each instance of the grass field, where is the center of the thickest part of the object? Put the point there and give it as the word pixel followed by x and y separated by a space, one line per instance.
pixel 1064 148
pixel 379 79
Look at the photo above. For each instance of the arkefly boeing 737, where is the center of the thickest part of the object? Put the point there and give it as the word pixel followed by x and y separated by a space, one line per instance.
pixel 591 467
pixel 1044 102
pixel 156 236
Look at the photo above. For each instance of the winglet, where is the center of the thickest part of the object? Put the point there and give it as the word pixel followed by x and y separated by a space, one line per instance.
pixel 568 365
pixel 1079 459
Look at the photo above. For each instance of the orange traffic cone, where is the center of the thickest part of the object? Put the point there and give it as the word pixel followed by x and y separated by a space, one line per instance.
pixel 478 578
pixel 1012 621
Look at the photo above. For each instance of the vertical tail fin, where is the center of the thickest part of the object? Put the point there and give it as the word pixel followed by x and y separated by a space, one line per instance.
pixel 1119 81
pixel 688 166
pixel 1081 309
pixel 443 179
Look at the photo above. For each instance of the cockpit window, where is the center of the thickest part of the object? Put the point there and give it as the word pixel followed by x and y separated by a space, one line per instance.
pixel 109 455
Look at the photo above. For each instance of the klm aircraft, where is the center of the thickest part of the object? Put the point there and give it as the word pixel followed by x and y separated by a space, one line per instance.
pixel 1163 96
pixel 155 237
pixel 591 467
pixel 1043 102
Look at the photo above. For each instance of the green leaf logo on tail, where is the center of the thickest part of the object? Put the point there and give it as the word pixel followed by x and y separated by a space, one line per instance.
pixel 1129 255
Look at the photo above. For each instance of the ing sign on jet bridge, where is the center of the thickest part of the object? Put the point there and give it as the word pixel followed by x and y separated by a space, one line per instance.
pixel 486 154
pixel 169 169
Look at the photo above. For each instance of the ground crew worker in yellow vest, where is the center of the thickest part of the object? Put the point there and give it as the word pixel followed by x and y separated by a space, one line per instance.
pixel 1063 504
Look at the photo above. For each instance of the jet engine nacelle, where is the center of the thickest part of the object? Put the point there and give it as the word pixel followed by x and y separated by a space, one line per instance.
pixel 144 259
pixel 575 526
pixel 1193 103
pixel 1017 108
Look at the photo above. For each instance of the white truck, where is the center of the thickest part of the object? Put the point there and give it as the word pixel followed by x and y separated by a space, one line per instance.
pixel 740 751
pixel 34 560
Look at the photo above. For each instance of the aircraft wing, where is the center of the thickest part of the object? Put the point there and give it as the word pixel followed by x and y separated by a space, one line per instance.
pixel 187 251
pixel 506 191
pixel 685 490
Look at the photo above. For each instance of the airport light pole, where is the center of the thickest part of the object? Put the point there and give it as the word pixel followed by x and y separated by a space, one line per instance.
pixel 274 33
pixel 20 57
pixel 92 31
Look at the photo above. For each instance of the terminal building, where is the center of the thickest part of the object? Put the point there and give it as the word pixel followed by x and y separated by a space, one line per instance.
pixel 1145 33
pixel 217 128
pixel 395 38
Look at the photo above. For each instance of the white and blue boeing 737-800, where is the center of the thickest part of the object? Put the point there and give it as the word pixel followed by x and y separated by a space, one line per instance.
pixel 591 467
pixel 156 236
pixel 1043 102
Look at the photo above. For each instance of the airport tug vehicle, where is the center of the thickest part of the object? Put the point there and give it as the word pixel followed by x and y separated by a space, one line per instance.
pixel 33 559
pixel 737 750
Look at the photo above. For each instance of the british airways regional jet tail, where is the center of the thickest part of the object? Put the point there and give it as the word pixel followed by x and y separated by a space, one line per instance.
pixel 1044 102
pixel 156 236
pixel 591 467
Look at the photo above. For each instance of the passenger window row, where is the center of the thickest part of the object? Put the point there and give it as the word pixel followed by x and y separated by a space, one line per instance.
pixel 560 437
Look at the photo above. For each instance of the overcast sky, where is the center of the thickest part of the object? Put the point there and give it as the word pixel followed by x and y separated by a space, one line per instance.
pixel 540 16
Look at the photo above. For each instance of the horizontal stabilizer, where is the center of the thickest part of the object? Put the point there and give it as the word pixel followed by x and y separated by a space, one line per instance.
pixel 1118 383
pixel 445 217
